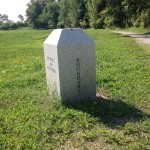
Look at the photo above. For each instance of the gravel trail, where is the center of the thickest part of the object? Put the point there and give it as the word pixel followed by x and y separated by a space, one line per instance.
pixel 140 38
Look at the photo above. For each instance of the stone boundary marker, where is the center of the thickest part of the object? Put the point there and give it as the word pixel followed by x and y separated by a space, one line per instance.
pixel 70 65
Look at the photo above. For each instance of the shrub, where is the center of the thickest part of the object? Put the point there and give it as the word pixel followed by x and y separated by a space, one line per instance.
pixel 109 21
pixel 9 25
pixel 84 24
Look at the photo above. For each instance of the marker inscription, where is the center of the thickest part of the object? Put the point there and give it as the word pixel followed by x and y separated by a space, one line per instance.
pixel 78 74
pixel 51 62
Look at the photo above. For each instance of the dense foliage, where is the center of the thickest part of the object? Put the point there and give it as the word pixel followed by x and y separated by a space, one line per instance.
pixel 88 13
pixel 6 24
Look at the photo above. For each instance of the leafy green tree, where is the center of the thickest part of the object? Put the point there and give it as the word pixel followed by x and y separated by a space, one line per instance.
pixel 3 18
pixel 1 22
pixel 9 25
pixel 94 8
pixel 34 10
pixel 50 15
pixel 85 13
pixel 63 14
pixel 21 18
pixel 115 11
pixel 125 13
pixel 142 15
pixel 72 12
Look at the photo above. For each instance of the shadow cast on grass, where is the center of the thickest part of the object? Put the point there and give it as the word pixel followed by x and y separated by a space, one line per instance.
pixel 121 35
pixel 110 112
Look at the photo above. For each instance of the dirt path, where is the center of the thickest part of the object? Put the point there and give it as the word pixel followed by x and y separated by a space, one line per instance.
pixel 140 38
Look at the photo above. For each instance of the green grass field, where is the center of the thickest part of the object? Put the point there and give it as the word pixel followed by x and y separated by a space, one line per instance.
pixel 119 119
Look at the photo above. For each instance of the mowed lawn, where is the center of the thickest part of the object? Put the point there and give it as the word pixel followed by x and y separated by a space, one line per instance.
pixel 118 119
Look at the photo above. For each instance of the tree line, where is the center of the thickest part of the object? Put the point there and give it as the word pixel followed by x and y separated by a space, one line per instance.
pixel 82 13
pixel 7 24
pixel 88 13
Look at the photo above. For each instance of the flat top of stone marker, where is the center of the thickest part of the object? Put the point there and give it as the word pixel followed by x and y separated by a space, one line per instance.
pixel 70 36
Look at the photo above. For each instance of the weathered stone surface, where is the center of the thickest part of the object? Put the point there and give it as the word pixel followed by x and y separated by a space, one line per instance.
pixel 70 65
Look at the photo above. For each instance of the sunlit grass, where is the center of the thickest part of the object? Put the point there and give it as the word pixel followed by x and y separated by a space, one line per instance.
pixel 29 119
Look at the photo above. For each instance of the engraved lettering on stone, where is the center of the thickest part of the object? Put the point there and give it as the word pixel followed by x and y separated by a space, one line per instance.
pixel 51 64
pixel 78 74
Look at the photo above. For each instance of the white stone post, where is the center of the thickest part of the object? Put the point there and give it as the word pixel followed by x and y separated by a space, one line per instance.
pixel 70 65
